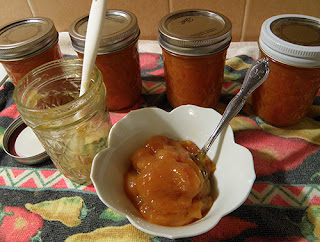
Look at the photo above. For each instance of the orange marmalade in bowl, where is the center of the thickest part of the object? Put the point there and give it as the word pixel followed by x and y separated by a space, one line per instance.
pixel 166 184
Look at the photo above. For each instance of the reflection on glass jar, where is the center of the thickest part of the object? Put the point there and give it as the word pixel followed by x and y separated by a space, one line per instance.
pixel 72 129
pixel 194 45
pixel 27 44
pixel 292 44
pixel 118 57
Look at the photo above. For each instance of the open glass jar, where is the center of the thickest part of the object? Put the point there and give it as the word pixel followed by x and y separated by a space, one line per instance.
pixel 72 129
pixel 194 45
pixel 292 44
pixel 26 44
pixel 118 57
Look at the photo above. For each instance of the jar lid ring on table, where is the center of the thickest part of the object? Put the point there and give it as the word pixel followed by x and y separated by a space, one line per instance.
pixel 194 32
pixel 20 143
pixel 120 30
pixel 292 39
pixel 26 38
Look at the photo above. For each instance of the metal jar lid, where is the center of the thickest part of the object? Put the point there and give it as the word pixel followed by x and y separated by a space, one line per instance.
pixel 26 38
pixel 120 29
pixel 292 39
pixel 194 32
pixel 20 143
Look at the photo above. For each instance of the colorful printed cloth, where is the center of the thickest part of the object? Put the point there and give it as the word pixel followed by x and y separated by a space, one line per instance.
pixel 38 203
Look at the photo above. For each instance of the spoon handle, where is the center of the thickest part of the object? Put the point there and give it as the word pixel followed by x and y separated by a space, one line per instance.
pixel 255 76
pixel 92 41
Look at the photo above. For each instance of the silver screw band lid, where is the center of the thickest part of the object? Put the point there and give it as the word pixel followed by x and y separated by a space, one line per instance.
pixel 194 32
pixel 26 38
pixel 119 31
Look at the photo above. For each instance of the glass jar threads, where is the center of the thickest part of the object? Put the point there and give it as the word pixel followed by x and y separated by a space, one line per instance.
pixel 27 44
pixel 118 57
pixel 292 43
pixel 72 129
pixel 194 45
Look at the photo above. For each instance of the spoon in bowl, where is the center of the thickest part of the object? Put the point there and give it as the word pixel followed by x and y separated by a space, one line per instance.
pixel 255 76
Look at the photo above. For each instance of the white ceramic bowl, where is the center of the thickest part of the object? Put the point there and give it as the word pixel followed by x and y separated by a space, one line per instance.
pixel 234 175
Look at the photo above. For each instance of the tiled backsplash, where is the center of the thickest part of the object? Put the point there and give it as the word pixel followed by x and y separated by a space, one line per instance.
pixel 246 16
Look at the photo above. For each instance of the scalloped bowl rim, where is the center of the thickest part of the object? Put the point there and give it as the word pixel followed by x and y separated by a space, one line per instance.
pixel 234 175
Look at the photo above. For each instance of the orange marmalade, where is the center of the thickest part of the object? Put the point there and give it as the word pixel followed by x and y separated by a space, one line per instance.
pixel 194 45
pixel 166 184
pixel 194 80
pixel 27 44
pixel 122 77
pixel 287 94
pixel 18 69
pixel 118 57
pixel 292 43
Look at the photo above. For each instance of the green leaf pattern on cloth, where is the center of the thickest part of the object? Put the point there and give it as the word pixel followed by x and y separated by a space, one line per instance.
pixel 109 214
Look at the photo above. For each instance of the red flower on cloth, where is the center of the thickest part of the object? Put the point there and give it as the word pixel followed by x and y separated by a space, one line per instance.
pixel 227 228
pixel 18 224
pixel 10 112
pixel 149 61
pixel 273 153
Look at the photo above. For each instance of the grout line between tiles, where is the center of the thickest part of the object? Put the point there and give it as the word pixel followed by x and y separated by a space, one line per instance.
pixel 31 9
pixel 245 19
pixel 170 5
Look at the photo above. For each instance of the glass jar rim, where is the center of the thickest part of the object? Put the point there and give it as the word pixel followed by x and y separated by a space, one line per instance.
pixel 82 100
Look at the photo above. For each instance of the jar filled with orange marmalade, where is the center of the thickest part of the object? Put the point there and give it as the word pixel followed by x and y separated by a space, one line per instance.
pixel 27 44
pixel 118 57
pixel 292 43
pixel 194 45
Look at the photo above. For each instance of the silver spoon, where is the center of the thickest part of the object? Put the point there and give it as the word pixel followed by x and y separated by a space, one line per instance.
pixel 255 76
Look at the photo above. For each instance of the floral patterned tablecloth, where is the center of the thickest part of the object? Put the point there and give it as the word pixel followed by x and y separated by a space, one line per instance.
pixel 37 203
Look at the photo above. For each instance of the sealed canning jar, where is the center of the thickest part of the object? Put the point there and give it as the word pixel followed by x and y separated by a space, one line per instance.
pixel 72 129
pixel 292 43
pixel 27 44
pixel 118 57
pixel 194 46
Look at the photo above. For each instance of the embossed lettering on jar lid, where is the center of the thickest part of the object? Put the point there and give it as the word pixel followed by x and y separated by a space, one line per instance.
pixel 194 32
pixel 120 30
pixel 292 39
pixel 26 38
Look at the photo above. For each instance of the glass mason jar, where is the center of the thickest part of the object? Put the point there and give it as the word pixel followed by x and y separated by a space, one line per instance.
pixel 72 129
pixel 194 45
pixel 292 44
pixel 118 57
pixel 27 44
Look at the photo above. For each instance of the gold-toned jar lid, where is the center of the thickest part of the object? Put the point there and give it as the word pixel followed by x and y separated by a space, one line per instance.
pixel 120 29
pixel 26 38
pixel 292 39
pixel 194 32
